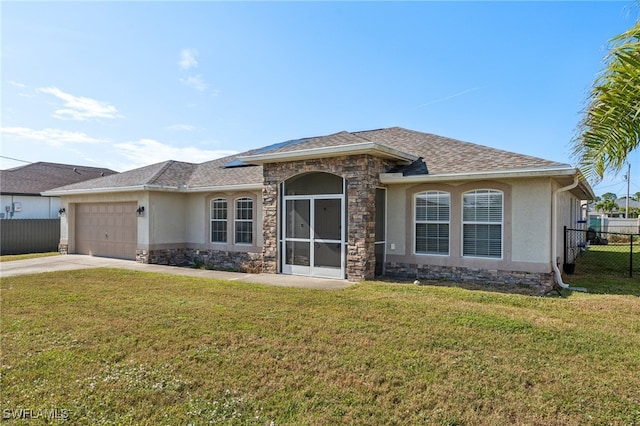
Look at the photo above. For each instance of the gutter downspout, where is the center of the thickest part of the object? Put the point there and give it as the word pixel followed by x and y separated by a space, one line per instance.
pixel 554 233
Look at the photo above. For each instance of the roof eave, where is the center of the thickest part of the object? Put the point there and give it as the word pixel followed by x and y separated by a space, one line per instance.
pixel 22 194
pixel 395 178
pixel 158 188
pixel 585 187
pixel 226 188
pixel 564 171
pixel 81 191
pixel 550 172
pixel 332 151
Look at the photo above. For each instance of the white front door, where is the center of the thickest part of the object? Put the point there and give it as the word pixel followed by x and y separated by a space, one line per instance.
pixel 314 230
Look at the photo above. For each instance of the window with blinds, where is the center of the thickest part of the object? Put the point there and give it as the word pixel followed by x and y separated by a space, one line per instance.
pixel 244 221
pixel 482 212
pixel 219 220
pixel 432 213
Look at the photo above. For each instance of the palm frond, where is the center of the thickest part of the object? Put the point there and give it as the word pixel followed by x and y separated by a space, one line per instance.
pixel 610 127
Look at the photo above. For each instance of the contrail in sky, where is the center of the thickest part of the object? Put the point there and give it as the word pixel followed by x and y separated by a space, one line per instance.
pixel 464 92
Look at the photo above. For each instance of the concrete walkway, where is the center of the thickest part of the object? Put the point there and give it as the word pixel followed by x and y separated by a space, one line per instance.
pixel 78 261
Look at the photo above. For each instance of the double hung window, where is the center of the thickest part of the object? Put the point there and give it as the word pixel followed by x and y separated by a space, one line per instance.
pixel 482 223
pixel 432 216
pixel 244 221
pixel 219 220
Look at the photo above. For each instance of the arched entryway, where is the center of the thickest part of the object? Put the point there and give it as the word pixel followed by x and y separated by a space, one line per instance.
pixel 313 226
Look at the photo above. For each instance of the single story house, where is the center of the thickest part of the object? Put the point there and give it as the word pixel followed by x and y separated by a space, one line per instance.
pixel 351 205
pixel 21 188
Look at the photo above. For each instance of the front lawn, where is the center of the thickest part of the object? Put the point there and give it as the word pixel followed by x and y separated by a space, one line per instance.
pixel 108 346
pixel 11 257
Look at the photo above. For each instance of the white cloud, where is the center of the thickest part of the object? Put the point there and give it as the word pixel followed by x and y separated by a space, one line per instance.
pixel 188 59
pixel 148 151
pixel 187 62
pixel 17 84
pixel 52 137
pixel 195 82
pixel 26 92
pixel 79 107
pixel 182 127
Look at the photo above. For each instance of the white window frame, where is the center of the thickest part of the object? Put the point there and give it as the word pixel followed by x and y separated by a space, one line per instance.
pixel 225 220
pixel 237 220
pixel 438 221
pixel 489 221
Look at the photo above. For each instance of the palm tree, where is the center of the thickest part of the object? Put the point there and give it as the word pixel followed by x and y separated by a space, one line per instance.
pixel 610 127
pixel 607 206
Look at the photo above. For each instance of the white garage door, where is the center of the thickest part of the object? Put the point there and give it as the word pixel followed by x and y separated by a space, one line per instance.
pixel 107 229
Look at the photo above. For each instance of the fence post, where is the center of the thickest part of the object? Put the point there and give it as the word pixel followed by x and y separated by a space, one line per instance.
pixel 630 255
pixel 565 245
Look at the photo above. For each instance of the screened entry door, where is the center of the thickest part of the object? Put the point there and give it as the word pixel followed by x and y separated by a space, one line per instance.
pixel 314 236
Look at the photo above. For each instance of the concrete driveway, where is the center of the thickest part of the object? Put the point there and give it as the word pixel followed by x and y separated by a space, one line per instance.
pixel 78 261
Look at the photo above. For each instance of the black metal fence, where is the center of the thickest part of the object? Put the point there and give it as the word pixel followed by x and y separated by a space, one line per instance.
pixel 606 253
pixel 19 236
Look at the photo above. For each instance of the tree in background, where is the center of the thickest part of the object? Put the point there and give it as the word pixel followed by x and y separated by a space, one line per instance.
pixel 609 196
pixel 610 127
pixel 607 206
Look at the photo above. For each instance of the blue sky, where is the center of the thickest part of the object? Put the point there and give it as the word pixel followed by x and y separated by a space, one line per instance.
pixel 126 84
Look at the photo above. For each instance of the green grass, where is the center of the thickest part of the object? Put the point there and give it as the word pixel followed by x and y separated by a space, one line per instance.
pixel 125 347
pixel 11 257
pixel 605 270
pixel 612 258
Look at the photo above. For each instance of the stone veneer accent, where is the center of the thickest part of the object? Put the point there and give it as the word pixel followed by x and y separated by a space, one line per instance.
pixel 63 248
pixel 209 259
pixel 539 283
pixel 362 173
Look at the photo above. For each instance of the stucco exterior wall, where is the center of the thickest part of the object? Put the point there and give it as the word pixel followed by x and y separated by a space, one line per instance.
pixel 569 213
pixel 397 219
pixel 198 216
pixel 531 219
pixel 195 211
pixel 181 223
pixel 165 213
pixel 526 226
pixel 170 220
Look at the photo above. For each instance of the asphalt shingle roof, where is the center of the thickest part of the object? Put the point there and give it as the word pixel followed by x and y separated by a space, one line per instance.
pixel 168 173
pixel 38 177
pixel 441 155
pixel 213 173
pixel 446 155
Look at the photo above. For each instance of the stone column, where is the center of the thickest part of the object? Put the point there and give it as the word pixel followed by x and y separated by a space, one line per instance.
pixel 362 173
pixel 269 222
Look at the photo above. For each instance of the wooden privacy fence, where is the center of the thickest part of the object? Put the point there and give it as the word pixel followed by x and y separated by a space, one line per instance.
pixel 19 236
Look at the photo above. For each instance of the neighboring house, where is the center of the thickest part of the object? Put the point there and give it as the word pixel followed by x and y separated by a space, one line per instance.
pixel 348 205
pixel 20 188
